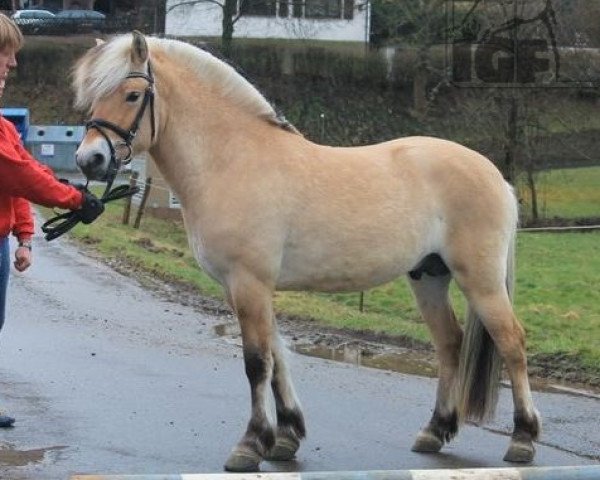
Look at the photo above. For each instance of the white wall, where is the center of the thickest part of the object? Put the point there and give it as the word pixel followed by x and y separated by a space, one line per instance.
pixel 204 19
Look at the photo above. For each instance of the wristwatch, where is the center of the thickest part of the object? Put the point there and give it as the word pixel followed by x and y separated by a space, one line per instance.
pixel 25 244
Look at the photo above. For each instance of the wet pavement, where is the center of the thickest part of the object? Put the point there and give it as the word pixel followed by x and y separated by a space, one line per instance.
pixel 104 376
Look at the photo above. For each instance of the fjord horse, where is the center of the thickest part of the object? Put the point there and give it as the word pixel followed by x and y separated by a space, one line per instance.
pixel 265 209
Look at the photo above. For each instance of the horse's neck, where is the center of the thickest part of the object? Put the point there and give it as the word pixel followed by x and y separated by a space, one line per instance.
pixel 194 127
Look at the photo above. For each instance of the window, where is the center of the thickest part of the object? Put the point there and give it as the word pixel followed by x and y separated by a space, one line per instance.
pixel 348 9
pixel 284 10
pixel 298 8
pixel 322 9
pixel 263 8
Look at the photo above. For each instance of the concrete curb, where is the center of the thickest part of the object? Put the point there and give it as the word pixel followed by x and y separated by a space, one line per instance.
pixel 586 472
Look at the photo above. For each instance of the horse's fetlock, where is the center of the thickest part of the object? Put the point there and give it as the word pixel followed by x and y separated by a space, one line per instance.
pixel 260 434
pixel 527 426
pixel 444 427
pixel 267 439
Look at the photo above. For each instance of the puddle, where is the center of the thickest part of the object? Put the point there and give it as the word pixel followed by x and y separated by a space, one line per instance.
pixel 401 361
pixel 10 457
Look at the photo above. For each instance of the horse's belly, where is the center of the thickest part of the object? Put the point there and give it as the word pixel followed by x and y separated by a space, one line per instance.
pixel 338 273
pixel 345 257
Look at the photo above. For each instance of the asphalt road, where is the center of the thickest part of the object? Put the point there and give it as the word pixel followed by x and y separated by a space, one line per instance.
pixel 104 376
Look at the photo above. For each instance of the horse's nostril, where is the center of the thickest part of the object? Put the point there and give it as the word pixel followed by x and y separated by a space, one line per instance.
pixel 98 159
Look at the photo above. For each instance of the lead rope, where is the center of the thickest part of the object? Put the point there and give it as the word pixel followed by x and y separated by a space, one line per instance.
pixel 61 224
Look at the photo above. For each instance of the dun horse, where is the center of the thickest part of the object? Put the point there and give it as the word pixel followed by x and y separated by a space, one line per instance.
pixel 266 209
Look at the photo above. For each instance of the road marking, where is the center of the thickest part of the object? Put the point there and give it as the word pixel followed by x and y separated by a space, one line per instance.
pixel 584 472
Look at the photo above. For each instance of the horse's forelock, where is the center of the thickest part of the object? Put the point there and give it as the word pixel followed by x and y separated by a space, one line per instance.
pixel 101 70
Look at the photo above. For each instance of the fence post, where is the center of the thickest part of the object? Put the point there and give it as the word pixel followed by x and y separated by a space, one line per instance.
pixel 361 302
pixel 140 212
pixel 127 209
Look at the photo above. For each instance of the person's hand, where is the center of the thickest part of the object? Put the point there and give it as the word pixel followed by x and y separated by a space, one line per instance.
pixel 22 258
pixel 91 208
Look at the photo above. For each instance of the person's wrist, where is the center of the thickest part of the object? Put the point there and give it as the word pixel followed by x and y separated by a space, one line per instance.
pixel 25 244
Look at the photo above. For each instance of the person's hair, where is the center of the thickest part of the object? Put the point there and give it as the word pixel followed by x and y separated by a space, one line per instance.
pixel 10 35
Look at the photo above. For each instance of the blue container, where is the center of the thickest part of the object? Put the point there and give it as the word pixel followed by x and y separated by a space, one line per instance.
pixel 19 117
pixel 55 145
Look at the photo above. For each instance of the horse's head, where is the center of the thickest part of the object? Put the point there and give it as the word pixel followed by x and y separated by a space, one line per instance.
pixel 114 81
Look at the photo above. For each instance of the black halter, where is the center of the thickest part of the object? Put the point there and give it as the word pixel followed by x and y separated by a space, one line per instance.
pixel 127 135
pixel 60 224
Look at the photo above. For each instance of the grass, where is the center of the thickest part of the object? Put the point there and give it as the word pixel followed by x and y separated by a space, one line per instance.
pixel 558 294
pixel 558 299
pixel 566 193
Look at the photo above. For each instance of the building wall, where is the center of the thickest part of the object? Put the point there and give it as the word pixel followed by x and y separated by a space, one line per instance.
pixel 203 19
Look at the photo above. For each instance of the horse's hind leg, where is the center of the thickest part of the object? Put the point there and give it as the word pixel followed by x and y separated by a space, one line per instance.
pixel 508 335
pixel 290 421
pixel 489 303
pixel 252 302
pixel 431 293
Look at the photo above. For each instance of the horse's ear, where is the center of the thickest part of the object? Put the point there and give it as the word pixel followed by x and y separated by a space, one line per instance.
pixel 99 42
pixel 139 48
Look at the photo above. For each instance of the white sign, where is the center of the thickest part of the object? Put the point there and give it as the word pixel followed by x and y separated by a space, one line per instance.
pixel 47 149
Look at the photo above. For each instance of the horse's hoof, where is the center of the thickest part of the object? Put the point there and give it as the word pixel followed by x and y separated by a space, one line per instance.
pixel 519 452
pixel 243 461
pixel 427 442
pixel 285 449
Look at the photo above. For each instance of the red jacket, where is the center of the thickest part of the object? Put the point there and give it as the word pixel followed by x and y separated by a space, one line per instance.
pixel 23 178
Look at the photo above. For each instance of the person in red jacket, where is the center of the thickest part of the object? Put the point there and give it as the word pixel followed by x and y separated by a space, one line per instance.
pixel 24 180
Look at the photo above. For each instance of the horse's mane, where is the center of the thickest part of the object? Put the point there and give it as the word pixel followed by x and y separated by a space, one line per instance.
pixel 100 71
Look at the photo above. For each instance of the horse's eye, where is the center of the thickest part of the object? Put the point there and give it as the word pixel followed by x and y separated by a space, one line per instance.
pixel 132 97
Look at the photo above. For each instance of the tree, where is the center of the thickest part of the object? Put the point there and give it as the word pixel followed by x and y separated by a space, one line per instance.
pixel 231 14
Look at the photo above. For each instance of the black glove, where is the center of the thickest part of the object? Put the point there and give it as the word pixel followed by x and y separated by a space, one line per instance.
pixel 91 208
pixel 79 186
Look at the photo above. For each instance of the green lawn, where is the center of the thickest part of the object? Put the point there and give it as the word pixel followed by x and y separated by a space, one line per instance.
pixel 558 286
pixel 569 193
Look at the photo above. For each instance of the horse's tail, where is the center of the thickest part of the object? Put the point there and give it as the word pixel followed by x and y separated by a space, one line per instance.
pixel 480 363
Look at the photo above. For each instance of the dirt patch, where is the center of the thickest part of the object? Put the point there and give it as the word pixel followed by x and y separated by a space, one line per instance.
pixel 11 457
pixel 147 244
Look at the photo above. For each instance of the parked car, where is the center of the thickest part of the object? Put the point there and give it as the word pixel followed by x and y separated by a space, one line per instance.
pixel 81 20
pixel 32 21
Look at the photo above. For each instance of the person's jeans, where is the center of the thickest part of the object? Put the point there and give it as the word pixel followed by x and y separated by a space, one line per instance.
pixel 4 270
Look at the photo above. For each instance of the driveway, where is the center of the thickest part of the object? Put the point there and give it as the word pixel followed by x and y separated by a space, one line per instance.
pixel 106 376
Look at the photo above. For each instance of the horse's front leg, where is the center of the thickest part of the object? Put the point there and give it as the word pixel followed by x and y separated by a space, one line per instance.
pixel 290 421
pixel 252 302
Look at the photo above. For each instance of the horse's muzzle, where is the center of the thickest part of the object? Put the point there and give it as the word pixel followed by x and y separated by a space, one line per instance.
pixel 93 163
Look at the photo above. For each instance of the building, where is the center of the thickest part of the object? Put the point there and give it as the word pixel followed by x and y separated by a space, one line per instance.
pixel 333 20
